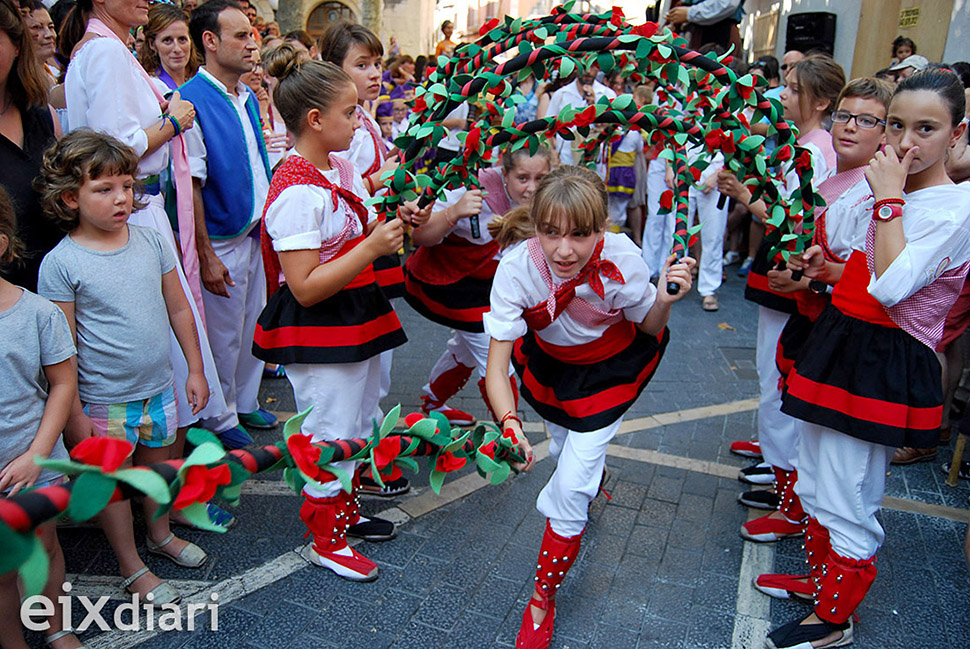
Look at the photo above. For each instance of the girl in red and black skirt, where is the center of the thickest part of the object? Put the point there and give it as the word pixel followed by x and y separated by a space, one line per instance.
pixel 327 320
pixel 814 84
pixel 574 309
pixel 449 277
pixel 868 379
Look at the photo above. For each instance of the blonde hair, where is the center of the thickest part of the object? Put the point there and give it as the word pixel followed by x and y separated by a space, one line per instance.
pixel 303 85
pixel 514 226
pixel 571 195
pixel 79 156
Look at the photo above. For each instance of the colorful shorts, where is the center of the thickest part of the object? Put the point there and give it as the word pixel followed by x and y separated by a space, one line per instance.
pixel 150 422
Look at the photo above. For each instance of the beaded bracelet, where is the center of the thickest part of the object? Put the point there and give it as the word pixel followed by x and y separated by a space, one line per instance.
pixel 887 201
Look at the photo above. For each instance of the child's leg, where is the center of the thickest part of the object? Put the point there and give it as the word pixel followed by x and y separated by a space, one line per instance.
pixel 655 242
pixel 11 629
pixel 476 348
pixel 55 585
pixel 448 376
pixel 564 501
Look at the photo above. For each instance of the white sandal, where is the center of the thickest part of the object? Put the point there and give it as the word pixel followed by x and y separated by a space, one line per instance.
pixel 191 556
pixel 54 637
pixel 164 593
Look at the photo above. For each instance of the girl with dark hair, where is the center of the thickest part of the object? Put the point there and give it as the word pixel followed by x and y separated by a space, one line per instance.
pixel 903 48
pixel 320 242
pixel 26 130
pixel 869 380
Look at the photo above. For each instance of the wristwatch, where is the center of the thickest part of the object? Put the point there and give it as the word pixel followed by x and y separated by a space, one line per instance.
pixel 888 211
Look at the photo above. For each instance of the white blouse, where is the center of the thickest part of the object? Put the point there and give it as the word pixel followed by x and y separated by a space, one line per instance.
pixel 302 216
pixel 519 286
pixel 106 91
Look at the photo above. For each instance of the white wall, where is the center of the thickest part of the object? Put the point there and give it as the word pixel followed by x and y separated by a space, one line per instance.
pixel 846 22
pixel 958 37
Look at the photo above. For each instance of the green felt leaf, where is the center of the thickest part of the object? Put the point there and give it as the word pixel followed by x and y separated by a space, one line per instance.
pixel 294 479
pixel 486 463
pixel 644 47
pixel 207 453
pixel 436 480
pixel 200 436
pixel 423 428
pixel 232 491
pixel 89 495
pixel 198 515
pixel 33 571
pixel 622 102
pixel 147 482
pixel 294 423
pixel 441 421
pixel 680 138
pixel 500 474
pixel 16 548
pixel 442 60
pixel 67 467
pixel 566 67
pixel 664 50
pixel 777 216
pixel 628 38
pixel 409 463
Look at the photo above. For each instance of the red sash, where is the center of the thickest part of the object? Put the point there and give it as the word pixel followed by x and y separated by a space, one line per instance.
pixel 615 339
pixel 851 294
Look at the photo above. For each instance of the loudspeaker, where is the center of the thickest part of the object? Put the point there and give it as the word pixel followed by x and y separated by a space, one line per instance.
pixel 811 31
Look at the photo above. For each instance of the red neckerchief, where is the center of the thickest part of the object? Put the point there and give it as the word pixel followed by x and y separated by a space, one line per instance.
pixel 297 170
pixel 560 296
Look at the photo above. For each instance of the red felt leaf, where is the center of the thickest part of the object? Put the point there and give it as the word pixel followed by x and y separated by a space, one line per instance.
pixel 448 462
pixel 667 199
pixel 488 26
pixel 387 451
pixel 200 484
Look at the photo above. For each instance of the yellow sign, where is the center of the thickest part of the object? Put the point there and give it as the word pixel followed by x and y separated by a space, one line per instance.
pixel 909 17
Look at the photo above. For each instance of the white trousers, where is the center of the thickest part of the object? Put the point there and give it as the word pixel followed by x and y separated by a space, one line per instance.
pixel 617 209
pixel 231 323
pixel 776 430
pixel 345 399
pixel 658 231
pixel 841 482
pixel 153 216
pixel 580 458
pixel 703 208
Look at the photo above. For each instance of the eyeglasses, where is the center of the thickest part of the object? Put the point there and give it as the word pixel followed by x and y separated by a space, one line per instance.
pixel 863 120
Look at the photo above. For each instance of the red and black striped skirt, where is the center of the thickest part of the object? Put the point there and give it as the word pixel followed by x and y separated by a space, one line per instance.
pixel 349 327
pixel 756 290
pixel 390 275
pixel 588 387
pixel 459 306
pixel 869 381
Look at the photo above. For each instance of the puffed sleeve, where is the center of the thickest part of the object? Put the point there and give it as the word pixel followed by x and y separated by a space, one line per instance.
pixel 933 245
pixel 636 296
pixel 293 220
pixel 54 281
pixel 504 321
pixel 56 342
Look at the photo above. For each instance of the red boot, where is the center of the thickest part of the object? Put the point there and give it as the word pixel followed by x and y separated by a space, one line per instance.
pixel 488 404
pixel 445 386
pixel 769 529
pixel 327 519
pixel 802 587
pixel 556 557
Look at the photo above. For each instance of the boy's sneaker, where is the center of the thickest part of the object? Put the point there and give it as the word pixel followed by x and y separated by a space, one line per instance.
pixel 261 419
pixel 963 473
pixel 236 437
pixel 746 448
pixel 391 488
pixel 745 267
pixel 731 257
pixel 758 474
pixel 760 499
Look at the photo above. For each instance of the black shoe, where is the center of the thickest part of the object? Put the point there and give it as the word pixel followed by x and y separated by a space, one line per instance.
pixel 963 473
pixel 373 529
pixel 391 488
pixel 795 635
pixel 760 499
pixel 758 474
